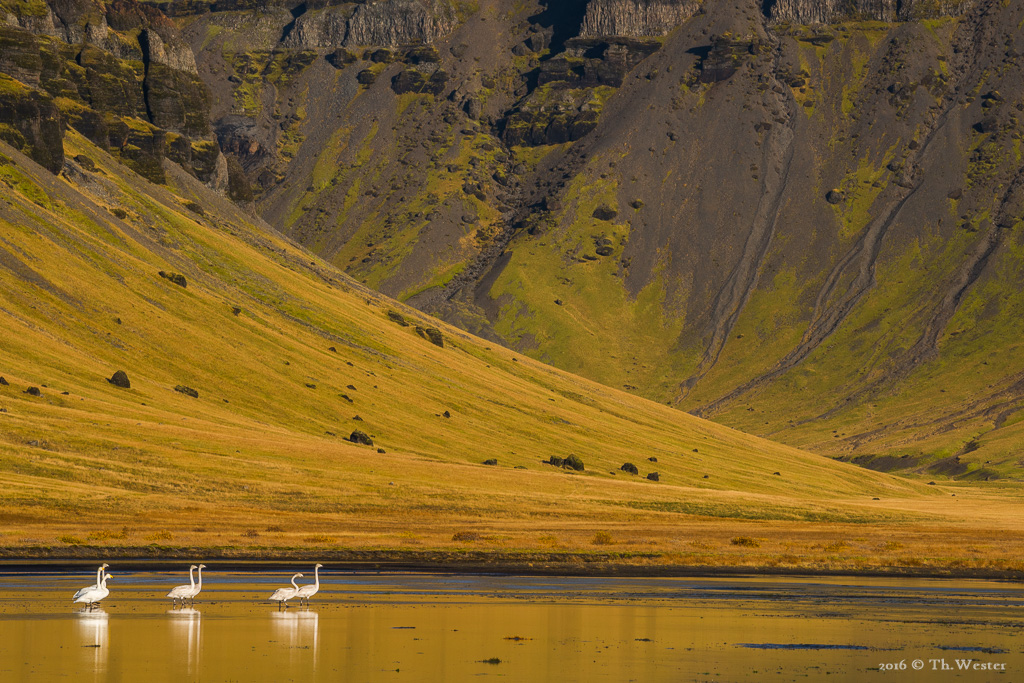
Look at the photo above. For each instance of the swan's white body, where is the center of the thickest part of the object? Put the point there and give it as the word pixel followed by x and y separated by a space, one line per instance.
pixel 309 590
pixel 182 592
pixel 282 595
pixel 99 579
pixel 198 587
pixel 93 594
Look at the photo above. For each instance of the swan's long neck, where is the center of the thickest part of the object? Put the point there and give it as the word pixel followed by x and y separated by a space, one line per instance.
pixel 293 582
pixel 192 579
pixel 99 576
pixel 103 583
pixel 200 577
pixel 316 575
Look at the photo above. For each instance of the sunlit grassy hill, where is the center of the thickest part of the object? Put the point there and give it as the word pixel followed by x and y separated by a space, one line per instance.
pixel 289 357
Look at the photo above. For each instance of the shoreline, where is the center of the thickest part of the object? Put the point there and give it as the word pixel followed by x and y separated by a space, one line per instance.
pixel 611 565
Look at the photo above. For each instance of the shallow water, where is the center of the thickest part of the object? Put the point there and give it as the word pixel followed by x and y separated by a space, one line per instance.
pixel 416 627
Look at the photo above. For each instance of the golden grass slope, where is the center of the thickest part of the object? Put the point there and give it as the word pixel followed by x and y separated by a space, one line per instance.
pixel 260 459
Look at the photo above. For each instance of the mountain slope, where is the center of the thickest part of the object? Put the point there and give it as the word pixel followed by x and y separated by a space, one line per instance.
pixel 801 219
pixel 798 230
pixel 284 353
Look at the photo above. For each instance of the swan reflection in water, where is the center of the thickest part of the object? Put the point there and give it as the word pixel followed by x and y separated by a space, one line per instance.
pixel 93 628
pixel 186 634
pixel 298 630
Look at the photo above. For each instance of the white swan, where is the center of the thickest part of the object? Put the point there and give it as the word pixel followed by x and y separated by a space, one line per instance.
pixel 99 577
pixel 309 590
pixel 183 591
pixel 93 594
pixel 198 587
pixel 281 595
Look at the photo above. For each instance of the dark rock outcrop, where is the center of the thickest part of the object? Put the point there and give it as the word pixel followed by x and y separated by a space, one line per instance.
pixel 30 122
pixel 397 317
pixel 176 278
pixel 573 462
pixel 416 80
pixel 630 467
pixel 360 438
pixel 120 379
pixel 188 391
pixel 431 334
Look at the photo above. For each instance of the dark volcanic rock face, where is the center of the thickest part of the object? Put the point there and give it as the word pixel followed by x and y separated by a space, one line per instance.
pixel 636 18
pixel 119 74
pixel 30 122
pixel 833 11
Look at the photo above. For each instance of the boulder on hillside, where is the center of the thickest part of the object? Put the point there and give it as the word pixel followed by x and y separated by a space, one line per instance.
pixel 431 334
pixel 361 438
pixel 630 467
pixel 397 317
pixel 573 462
pixel 3 382
pixel 188 391
pixel 605 213
pixel 653 476
pixel 120 379
pixel 176 278
pixel 33 391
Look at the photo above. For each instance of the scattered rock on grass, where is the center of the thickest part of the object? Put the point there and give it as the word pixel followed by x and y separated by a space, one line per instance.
pixel 605 213
pixel 120 379
pixel 491 461
pixel 3 382
pixel 33 391
pixel 176 278
pixel 397 317
pixel 654 476
pixel 188 391
pixel 652 459
pixel 360 437
pixel 630 467
pixel 554 460
pixel 431 334
pixel 573 462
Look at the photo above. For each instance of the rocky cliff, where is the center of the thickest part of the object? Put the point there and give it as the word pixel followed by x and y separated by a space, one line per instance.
pixel 833 11
pixel 635 18
pixel 384 23
pixel 119 73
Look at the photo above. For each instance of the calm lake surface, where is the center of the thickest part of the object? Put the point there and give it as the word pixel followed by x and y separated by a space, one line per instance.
pixel 423 627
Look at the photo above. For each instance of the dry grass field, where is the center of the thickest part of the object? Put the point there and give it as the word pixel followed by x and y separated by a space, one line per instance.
pixel 288 357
